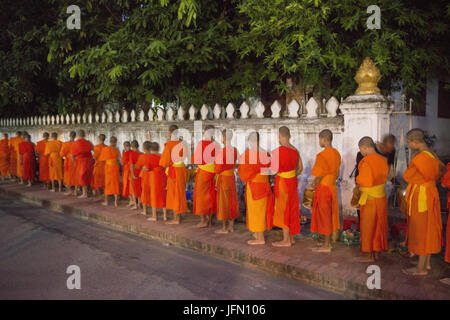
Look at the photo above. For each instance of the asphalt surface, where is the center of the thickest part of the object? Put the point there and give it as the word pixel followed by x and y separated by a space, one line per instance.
pixel 38 245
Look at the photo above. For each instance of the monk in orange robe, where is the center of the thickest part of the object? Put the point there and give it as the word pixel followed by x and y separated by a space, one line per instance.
pixel 13 156
pixel 111 155
pixel 172 159
pixel 18 140
pixel 227 199
pixel 27 159
pixel 69 165
pixel 53 152
pixel 81 154
pixel 44 175
pixel 153 180
pixel 373 174
pixel 446 184
pixel 424 236
pixel 253 171
pixel 4 157
pixel 204 197
pixel 325 211
pixel 126 172
pixel 286 162
pixel 98 173
pixel 135 180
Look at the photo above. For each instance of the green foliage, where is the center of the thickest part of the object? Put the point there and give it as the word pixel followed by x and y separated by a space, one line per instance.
pixel 201 51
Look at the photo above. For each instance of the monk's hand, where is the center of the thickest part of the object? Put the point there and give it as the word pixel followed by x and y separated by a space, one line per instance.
pixel 310 187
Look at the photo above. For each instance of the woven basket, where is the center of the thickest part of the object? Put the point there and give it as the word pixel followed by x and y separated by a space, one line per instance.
pixel 308 198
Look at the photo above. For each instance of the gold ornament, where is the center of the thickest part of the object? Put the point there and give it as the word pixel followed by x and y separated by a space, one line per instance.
pixel 367 77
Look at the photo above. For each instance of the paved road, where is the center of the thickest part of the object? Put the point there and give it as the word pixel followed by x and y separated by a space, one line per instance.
pixel 37 246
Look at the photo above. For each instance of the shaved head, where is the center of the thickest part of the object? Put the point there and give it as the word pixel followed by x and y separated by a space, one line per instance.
pixel 147 145
pixel 5 135
pixel 81 134
pixel 126 144
pixel 54 135
pixel 326 135
pixel 102 137
pixel 416 135
pixel 366 142
pixel 284 131
pixel 228 134
pixel 173 127
pixel 72 134
pixel 113 140
pixel 154 146
pixel 45 135
pixel 389 138
pixel 135 144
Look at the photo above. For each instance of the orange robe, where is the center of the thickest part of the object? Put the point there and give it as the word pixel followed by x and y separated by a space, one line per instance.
pixel 81 149
pixel 258 194
pixel 4 157
pixel 227 199
pixel 16 142
pixel 98 173
pixel 373 171
pixel 53 151
pixel 26 149
pixel 172 159
pixel 126 173
pixel 446 183
pixel 424 221
pixel 44 171
pixel 69 167
pixel 204 197
pixel 112 170
pixel 325 211
pixel 135 184
pixel 153 180
pixel 12 156
pixel 287 205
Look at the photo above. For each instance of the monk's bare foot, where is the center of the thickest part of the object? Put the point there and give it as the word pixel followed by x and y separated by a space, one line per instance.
pixel 130 204
pixel 282 243
pixel 445 281
pixel 322 249
pixel 20 182
pixel 364 259
pixel 221 231
pixel 67 193
pixel 202 225
pixel 231 229
pixel 414 272
pixel 83 196
pixel 29 185
pixel 116 205
pixel 173 222
pixel 255 235
pixel 104 203
pixel 256 242
pixel 292 240
pixel 52 190
pixel 165 218
pixel 152 219
pixel 135 207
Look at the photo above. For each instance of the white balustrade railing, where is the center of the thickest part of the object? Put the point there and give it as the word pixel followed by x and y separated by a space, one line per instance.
pixel 294 109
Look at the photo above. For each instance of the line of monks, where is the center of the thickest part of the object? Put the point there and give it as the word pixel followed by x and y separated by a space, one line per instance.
pixel 158 181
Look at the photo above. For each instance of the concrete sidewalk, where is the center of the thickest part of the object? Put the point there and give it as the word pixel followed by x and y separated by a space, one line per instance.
pixel 335 272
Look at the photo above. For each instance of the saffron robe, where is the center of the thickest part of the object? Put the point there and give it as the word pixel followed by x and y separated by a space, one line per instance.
pixel 204 197
pixel 424 234
pixel 69 166
pixel 373 171
pixel 153 180
pixel 44 169
pixel 258 194
pixel 82 150
pixel 12 157
pixel 227 199
pixel 135 184
pixel 172 157
pixel 126 173
pixel 4 157
pixel 53 150
pixel 112 170
pixel 446 182
pixel 16 142
pixel 287 204
pixel 325 211
pixel 26 149
pixel 98 173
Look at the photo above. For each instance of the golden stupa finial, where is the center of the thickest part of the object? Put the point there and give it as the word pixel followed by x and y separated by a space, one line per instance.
pixel 367 77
